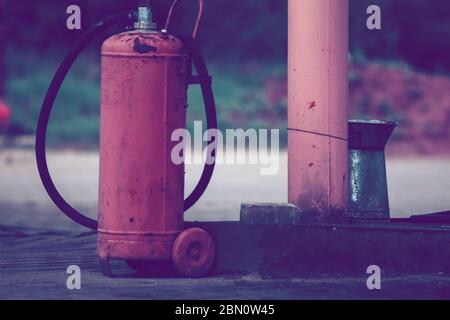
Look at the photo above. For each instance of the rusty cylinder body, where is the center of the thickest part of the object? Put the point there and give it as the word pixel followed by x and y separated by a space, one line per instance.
pixel 143 100
pixel 317 103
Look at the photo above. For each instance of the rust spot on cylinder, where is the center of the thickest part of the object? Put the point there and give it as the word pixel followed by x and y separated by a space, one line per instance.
pixel 142 47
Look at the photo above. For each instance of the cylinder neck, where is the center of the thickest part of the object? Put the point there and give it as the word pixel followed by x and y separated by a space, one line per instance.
pixel 145 19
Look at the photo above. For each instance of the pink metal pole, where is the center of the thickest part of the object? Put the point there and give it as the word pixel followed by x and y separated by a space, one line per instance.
pixel 318 100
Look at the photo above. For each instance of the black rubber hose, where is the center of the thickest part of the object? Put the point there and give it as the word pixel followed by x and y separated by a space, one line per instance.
pixel 211 118
pixel 208 97
pixel 46 110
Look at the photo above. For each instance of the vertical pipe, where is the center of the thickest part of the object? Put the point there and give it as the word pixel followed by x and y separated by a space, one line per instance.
pixel 317 116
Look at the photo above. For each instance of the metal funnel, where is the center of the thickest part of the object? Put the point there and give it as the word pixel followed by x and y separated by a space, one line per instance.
pixel 368 193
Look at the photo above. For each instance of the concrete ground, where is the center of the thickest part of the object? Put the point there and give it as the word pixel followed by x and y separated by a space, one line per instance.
pixel 39 272
pixel 416 185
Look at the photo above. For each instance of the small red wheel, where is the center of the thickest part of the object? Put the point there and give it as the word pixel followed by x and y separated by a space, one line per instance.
pixel 193 253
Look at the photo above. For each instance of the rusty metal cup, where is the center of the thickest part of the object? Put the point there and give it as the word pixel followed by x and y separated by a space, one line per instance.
pixel 368 193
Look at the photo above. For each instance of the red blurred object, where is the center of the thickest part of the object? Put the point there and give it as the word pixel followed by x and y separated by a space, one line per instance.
pixel 5 113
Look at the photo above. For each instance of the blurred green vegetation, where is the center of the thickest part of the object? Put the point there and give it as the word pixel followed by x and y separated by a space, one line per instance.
pixel 75 117
pixel 245 43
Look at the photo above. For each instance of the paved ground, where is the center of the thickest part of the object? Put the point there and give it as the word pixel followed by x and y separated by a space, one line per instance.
pixel 415 186
pixel 39 272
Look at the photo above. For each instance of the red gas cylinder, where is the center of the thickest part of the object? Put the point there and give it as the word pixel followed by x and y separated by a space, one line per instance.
pixel 144 80
pixel 143 100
